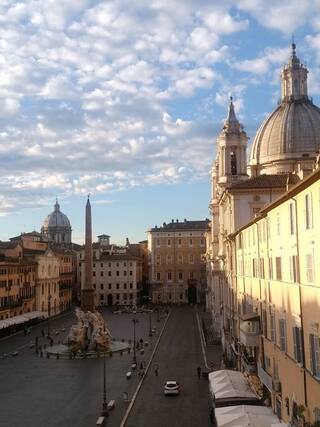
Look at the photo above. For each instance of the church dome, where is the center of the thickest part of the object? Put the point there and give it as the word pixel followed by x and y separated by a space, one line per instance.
pixel 291 133
pixel 56 218
pixel 56 227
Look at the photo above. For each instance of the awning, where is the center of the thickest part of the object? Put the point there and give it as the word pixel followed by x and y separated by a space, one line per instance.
pixel 228 385
pixel 247 415
pixel 22 318
pixel 250 316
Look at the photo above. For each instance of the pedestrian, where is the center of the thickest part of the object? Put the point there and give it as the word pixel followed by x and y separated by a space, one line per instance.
pixel 199 372
pixel 42 333
pixel 141 366
pixel 156 370
pixel 37 341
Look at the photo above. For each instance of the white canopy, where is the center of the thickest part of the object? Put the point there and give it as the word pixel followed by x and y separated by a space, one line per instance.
pixel 22 318
pixel 247 415
pixel 228 384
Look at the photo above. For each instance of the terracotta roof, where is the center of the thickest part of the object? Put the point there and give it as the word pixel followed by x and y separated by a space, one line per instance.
pixel 183 226
pixel 265 181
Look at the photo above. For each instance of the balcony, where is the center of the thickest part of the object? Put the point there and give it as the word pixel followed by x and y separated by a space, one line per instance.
pixel 249 364
pixel 265 378
pixel 250 330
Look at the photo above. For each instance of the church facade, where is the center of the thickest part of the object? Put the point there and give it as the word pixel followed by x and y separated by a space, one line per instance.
pixel 254 294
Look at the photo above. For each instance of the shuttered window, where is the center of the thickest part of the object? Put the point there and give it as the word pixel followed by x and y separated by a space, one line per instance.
pixel 297 344
pixel 314 354
pixel 282 335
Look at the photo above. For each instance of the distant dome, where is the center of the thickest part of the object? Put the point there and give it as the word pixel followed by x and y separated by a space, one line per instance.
pixel 56 227
pixel 291 133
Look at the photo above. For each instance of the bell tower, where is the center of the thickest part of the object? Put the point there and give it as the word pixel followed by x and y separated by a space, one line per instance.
pixel 231 150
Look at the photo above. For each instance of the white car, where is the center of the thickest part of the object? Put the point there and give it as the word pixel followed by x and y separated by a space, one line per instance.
pixel 171 388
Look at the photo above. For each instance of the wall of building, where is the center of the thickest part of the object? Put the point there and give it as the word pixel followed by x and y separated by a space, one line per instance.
pixel 278 278
pixel 176 263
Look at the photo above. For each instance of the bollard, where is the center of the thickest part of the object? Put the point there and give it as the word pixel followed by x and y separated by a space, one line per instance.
pixel 110 353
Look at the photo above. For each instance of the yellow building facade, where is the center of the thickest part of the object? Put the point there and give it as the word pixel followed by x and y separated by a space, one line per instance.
pixel 274 300
pixel 177 270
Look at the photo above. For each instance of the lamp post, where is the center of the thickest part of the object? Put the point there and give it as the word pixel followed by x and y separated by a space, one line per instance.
pixel 104 411
pixel 150 327
pixel 134 321
pixel 49 313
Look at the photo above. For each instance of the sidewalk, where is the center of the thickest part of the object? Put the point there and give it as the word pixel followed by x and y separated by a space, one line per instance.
pixel 213 351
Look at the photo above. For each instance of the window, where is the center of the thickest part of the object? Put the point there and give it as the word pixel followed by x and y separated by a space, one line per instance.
pixel 169 259
pixel 282 335
pixel 130 272
pixel 278 268
pixel 233 161
pixel 110 286
pixel 278 224
pixel 309 268
pixel 101 265
pixel 191 259
pixel 293 268
pixel 124 273
pixel 180 276
pixel 158 276
pixel 117 286
pixel 180 259
pixel 292 214
pixel 297 344
pixel 308 211
pixel 272 325
pixel 179 242
pixel 101 273
pixel 117 296
pixel 117 273
pixel 124 286
pixel 264 323
pixel 158 259
pixel 191 275
pixel 315 354
pixel 262 268
pixel 130 285
pixel 101 286
pixel 94 273
pixel 270 268
pixel 109 273
pixel 169 242
pixel 158 243
pixel 190 242
pixel 202 241
pixel 169 276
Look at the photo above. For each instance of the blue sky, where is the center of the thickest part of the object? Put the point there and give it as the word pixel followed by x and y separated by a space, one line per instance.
pixel 124 100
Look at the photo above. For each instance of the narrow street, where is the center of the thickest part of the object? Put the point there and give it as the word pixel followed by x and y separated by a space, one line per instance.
pixel 178 356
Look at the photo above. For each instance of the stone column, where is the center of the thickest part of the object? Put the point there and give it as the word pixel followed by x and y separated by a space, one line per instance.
pixel 87 292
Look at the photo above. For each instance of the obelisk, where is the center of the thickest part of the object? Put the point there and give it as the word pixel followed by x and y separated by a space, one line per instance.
pixel 87 292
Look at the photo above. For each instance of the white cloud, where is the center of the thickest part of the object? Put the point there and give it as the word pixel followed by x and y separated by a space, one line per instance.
pixel 90 91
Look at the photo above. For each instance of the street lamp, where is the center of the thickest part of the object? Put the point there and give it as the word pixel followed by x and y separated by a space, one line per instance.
pixel 49 313
pixel 104 411
pixel 150 327
pixel 134 321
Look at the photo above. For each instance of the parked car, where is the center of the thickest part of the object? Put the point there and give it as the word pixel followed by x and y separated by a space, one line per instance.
pixel 171 388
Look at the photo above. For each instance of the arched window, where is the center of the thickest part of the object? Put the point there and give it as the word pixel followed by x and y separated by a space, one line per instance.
pixel 233 159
